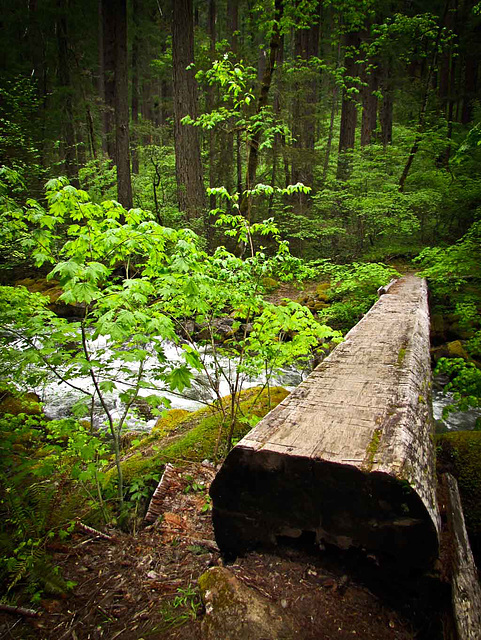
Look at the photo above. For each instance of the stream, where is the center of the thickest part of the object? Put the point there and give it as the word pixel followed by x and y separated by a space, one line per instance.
pixel 59 398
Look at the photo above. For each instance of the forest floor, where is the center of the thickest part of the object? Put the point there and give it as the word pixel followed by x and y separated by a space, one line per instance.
pixel 143 586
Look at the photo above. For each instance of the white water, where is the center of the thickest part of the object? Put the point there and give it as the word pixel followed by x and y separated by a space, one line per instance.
pixel 59 398
pixel 457 420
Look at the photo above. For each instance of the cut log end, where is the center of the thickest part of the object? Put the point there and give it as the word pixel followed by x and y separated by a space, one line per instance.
pixel 261 499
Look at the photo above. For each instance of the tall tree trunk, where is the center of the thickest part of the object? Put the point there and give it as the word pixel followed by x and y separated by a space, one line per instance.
pixel 369 108
pixel 233 22
pixel 69 153
pixel 107 70
pixel 471 65
pixel 135 84
pixel 254 140
pixel 188 166
pixel 424 105
pixel 347 134
pixel 122 146
pixel 306 43
pixel 330 135
pixel 386 106
pixel 210 101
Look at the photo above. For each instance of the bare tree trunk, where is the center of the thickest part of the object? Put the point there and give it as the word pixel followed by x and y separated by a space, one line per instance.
pixel 347 134
pixel 254 140
pixel 369 109
pixel 348 458
pixel 306 43
pixel 386 107
pixel 69 153
pixel 188 166
pixel 424 105
pixel 107 70
pixel 122 143
pixel 135 84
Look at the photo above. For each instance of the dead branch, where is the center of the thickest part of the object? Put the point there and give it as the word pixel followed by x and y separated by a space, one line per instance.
pixel 155 506
pixel 21 611
pixel 93 532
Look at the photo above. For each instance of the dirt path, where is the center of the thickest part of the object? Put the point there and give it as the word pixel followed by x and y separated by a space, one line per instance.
pixel 144 586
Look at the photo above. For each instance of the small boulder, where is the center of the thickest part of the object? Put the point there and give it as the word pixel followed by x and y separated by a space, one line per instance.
pixel 234 611
pixel 28 403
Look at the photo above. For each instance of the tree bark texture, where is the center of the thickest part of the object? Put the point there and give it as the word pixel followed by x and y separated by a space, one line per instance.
pixel 136 44
pixel 188 166
pixel 347 133
pixel 107 70
pixel 466 591
pixel 122 138
pixel 69 153
pixel 254 140
pixel 369 109
pixel 304 109
pixel 348 457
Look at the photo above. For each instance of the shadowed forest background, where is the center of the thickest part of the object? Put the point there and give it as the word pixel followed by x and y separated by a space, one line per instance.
pixel 229 180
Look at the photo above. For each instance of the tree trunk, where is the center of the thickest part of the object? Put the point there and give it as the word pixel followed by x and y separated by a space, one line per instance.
pixel 466 591
pixel 136 42
pixel 107 69
pixel 254 140
pixel 385 111
pixel 188 166
pixel 369 109
pixel 347 133
pixel 233 22
pixel 306 43
pixel 122 142
pixel 69 153
pixel 348 458
pixel 424 105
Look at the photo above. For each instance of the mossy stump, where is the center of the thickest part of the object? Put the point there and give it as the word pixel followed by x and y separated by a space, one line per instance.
pixel 348 458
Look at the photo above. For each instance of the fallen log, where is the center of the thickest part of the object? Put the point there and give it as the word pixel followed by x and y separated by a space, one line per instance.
pixel 348 457
pixel 466 591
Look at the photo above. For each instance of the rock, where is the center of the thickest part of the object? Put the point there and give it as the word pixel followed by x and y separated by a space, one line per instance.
pixel 221 327
pixel 234 611
pixel 28 403
pixel 270 284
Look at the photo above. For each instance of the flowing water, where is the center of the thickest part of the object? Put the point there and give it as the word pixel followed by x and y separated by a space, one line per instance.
pixel 59 398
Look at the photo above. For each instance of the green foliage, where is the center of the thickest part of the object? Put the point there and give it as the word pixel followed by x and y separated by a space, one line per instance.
pixel 43 463
pixel 452 267
pixel 465 383
pixel 353 291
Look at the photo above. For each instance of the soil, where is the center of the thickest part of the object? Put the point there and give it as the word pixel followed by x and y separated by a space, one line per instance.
pixel 143 586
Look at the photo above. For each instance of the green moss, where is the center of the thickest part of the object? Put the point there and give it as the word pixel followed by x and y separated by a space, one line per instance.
pixel 27 403
pixel 401 355
pixel 169 421
pixel 372 448
pixel 460 453
pixel 456 350
pixel 269 284
pixel 193 437
pixel 322 288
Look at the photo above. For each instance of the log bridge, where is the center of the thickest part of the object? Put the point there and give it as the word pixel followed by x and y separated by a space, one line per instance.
pixel 348 457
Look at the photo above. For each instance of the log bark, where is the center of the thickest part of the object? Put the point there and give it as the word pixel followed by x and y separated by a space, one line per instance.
pixel 466 591
pixel 348 457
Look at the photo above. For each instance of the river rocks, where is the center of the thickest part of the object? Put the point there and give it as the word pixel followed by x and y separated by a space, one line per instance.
pixel 52 290
pixel 28 403
pixel 233 611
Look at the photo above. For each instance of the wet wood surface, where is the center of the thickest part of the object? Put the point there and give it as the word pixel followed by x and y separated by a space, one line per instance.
pixel 348 457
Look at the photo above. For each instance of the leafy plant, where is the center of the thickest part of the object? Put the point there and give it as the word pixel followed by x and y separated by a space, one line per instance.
pixel 465 383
